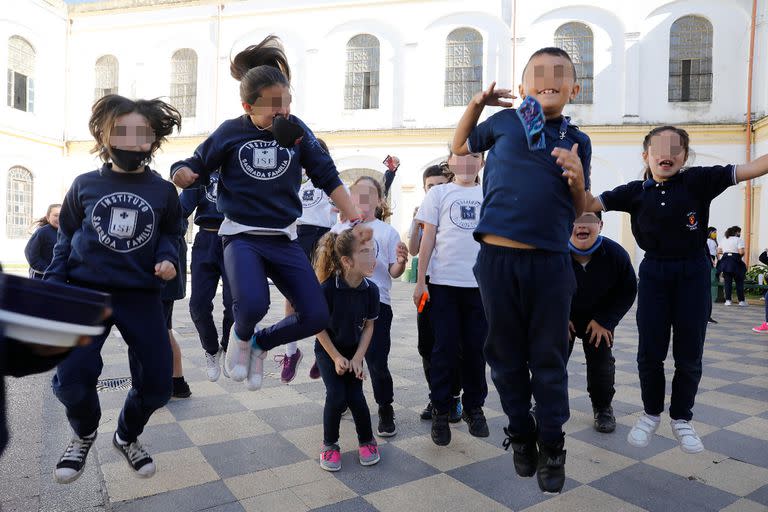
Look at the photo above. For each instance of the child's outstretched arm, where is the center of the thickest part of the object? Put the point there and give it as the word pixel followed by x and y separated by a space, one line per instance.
pixel 753 169
pixel 573 171
pixel 592 204
pixel 425 254
pixel 468 121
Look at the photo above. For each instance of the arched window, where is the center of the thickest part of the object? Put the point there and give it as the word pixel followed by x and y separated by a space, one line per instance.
pixel 362 84
pixel 463 66
pixel 18 216
pixel 21 74
pixel 107 72
pixel 578 41
pixel 184 82
pixel 690 59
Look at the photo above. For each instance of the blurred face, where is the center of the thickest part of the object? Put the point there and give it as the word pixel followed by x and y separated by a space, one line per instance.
pixel 132 132
pixel 53 217
pixel 713 235
pixel 465 168
pixel 274 100
pixel 362 262
pixel 665 155
pixel 585 231
pixel 434 180
pixel 549 79
pixel 365 197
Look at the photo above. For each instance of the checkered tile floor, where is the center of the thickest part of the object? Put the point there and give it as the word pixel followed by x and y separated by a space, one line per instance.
pixel 228 449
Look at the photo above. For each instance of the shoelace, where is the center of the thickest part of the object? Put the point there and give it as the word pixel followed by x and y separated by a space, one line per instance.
pixel 136 452
pixel 210 359
pixel 281 360
pixel 327 454
pixel 77 449
pixel 372 448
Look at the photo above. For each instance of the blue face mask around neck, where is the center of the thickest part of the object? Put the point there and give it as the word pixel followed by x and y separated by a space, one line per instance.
pixel 589 251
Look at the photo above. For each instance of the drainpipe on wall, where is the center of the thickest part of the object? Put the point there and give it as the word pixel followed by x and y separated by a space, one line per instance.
pixel 219 8
pixel 514 45
pixel 748 187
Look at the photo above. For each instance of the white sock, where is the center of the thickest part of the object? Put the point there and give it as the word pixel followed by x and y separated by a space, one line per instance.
pixel 291 348
pixel 120 441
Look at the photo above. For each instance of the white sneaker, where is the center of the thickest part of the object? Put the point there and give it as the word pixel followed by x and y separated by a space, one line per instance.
pixel 256 369
pixel 690 442
pixel 727 303
pixel 237 359
pixel 213 365
pixel 224 369
pixel 743 303
pixel 641 433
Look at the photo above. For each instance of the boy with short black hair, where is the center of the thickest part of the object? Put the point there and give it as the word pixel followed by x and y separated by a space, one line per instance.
pixel 536 174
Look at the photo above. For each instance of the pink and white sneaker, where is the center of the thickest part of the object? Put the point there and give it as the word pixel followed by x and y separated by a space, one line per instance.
pixel 761 328
pixel 330 457
pixel 369 453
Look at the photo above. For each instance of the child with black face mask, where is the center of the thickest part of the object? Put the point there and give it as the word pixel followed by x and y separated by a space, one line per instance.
pixel 119 232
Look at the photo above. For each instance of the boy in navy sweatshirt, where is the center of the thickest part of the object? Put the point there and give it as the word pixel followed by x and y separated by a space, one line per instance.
pixel 207 269
pixel 606 286
pixel 119 232
pixel 534 184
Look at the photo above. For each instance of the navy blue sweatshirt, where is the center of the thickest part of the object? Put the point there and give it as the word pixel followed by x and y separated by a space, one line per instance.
pixel 202 200
pixel 113 229
pixel 260 180
pixel 605 289
pixel 39 249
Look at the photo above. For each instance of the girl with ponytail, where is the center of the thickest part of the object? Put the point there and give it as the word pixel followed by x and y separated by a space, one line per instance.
pixel 261 155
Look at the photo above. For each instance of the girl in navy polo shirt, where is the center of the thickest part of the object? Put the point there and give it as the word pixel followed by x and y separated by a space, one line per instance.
pixel 391 257
pixel 258 195
pixel 119 232
pixel 449 214
pixel 344 264
pixel 669 212
pixel 39 249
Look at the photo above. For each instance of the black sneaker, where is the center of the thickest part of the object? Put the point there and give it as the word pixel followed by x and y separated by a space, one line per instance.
pixel 180 388
pixel 72 462
pixel 441 429
pixel 386 421
pixel 605 421
pixel 475 419
pixel 426 414
pixel 137 457
pixel 712 320
pixel 525 453
pixel 455 414
pixel 550 472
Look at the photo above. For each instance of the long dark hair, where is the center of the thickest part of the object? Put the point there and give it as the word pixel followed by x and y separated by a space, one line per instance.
pixel 685 140
pixel 43 221
pixel 259 66
pixel 162 119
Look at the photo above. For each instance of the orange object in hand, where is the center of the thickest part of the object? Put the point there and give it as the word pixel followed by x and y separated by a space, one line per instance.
pixel 423 302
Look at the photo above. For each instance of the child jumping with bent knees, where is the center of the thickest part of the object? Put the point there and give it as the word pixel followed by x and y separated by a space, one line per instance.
pixel 344 264
pixel 669 211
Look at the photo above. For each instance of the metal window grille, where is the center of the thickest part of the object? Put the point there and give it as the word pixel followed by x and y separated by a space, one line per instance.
pixel 18 214
pixel 107 73
pixel 184 82
pixel 361 91
pixel 463 66
pixel 578 41
pixel 690 60
pixel 21 67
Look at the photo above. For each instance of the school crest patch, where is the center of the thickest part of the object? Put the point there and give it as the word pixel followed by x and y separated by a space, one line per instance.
pixel 465 213
pixel 123 221
pixel 692 221
pixel 264 160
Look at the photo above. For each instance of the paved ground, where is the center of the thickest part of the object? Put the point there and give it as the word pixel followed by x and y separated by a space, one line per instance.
pixel 228 449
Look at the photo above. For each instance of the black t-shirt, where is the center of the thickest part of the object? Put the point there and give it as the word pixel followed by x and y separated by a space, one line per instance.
pixel 349 309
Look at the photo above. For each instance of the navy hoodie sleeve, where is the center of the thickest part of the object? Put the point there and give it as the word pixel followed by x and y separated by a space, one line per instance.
pixel 615 306
pixel 318 164
pixel 32 252
pixel 70 219
pixel 170 230
pixel 208 157
pixel 189 199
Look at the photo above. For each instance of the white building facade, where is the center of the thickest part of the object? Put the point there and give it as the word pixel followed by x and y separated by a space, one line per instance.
pixel 379 77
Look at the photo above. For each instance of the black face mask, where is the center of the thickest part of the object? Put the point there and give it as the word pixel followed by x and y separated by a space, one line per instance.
pixel 286 132
pixel 129 160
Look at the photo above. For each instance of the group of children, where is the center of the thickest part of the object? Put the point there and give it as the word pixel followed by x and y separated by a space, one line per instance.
pixel 542 276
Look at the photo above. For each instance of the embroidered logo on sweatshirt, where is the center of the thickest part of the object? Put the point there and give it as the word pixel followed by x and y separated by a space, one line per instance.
pixel 123 221
pixel 212 190
pixel 264 160
pixel 464 213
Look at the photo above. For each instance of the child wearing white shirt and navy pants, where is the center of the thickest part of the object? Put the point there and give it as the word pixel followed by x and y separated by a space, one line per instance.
pixel 450 213
pixel 731 264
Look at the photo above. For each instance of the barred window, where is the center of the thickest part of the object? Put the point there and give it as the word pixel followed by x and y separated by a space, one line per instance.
pixel 361 91
pixel 463 66
pixel 18 216
pixel 578 41
pixel 184 82
pixel 21 72
pixel 107 72
pixel 690 60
